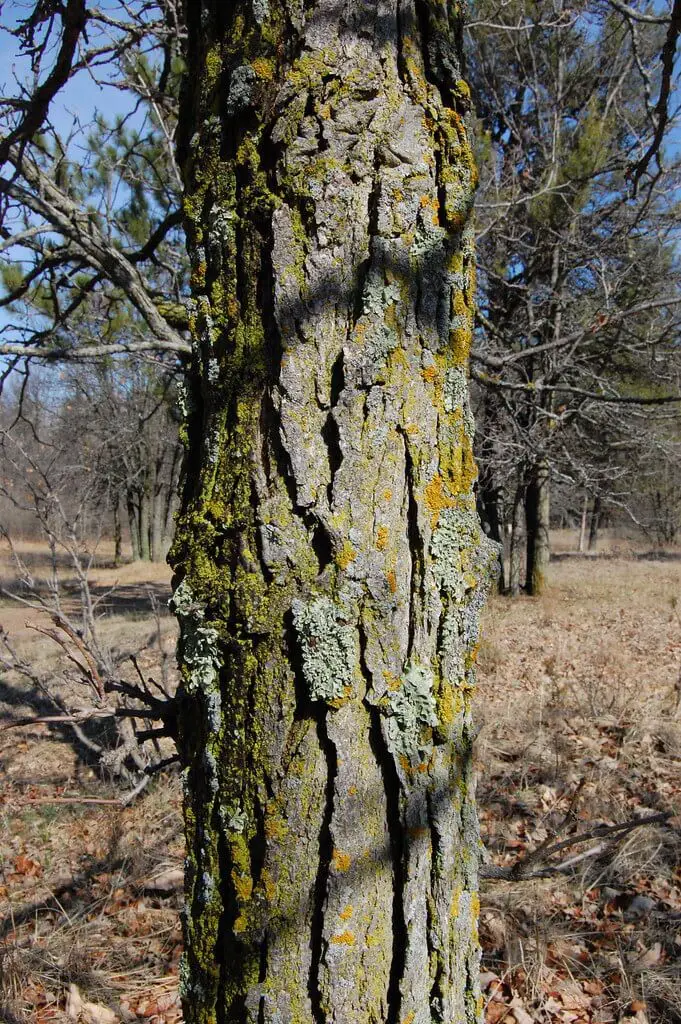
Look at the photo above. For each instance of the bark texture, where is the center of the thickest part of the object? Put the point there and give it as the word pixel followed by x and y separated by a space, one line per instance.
pixel 330 568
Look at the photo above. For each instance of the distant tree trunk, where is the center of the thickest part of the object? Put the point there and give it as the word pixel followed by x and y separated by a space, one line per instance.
pixel 537 515
pixel 489 506
pixel 144 500
pixel 133 524
pixel 329 565
pixel 518 542
pixel 117 531
pixel 595 522
pixel 157 486
pixel 581 546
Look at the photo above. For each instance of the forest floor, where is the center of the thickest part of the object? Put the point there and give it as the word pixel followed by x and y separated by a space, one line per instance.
pixel 579 707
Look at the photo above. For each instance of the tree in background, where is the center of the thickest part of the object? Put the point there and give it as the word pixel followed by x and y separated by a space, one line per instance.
pixel 579 296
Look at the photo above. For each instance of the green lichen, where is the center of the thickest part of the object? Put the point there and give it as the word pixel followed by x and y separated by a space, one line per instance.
pixel 327 646
pixel 410 709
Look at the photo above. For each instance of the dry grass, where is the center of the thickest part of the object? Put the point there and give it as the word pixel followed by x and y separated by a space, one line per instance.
pixel 579 708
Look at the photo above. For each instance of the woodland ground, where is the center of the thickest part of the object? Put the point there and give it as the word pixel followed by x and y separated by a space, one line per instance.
pixel 579 706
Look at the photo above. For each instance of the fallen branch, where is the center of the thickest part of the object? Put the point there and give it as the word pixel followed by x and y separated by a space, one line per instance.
pixel 522 871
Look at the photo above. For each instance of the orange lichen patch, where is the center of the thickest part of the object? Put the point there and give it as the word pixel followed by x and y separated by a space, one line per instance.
pixel 263 68
pixel 437 498
pixel 341 861
pixel 352 791
pixel 240 925
pixel 344 939
pixel 274 825
pixel 431 203
pixel 460 339
pixel 387 495
pixel 392 581
pixel 268 885
pixel 409 1019
pixel 412 429
pixel 346 555
pixel 392 681
pixel 398 195
pixel 404 762
pixel 382 538
pixel 430 374
pixel 243 886
pixel 422 768
pixel 346 914
pixel 449 704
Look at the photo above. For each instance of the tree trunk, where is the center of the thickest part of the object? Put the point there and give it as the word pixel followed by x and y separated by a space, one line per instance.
pixel 144 504
pixel 134 524
pixel 489 507
pixel 537 510
pixel 595 523
pixel 329 565
pixel 518 542
pixel 581 546
pixel 158 507
pixel 117 531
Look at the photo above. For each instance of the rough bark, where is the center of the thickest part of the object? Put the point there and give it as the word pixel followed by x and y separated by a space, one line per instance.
pixel 537 514
pixel 330 568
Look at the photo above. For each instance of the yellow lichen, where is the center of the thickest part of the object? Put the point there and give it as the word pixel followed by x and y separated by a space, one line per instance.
pixel 263 68
pixel 341 861
pixel 436 498
pixel 346 555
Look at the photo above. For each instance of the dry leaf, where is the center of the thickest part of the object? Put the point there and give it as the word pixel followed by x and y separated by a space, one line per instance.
pixel 495 1012
pixel 74 1003
pixel 23 865
pixel 520 1013
pixel 94 1013
pixel 167 881
pixel 651 956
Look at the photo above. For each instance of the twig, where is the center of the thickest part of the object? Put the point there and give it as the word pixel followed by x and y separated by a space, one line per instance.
pixel 518 872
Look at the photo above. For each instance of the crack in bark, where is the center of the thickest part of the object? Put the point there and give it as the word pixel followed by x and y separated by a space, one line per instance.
pixel 396 836
pixel 322 880
pixel 415 542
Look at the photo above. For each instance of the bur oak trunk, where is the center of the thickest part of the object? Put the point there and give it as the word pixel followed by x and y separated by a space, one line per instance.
pixel 329 565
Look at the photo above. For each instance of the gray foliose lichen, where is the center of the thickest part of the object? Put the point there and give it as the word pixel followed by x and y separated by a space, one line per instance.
pixel 410 708
pixel 200 651
pixel 327 646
